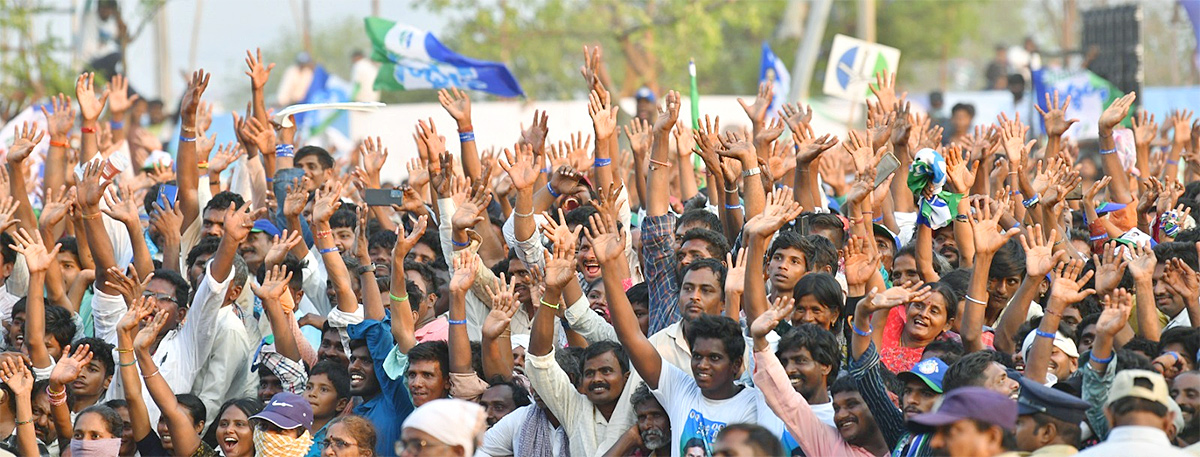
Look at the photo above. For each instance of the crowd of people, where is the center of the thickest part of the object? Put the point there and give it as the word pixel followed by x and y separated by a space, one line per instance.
pixel 876 294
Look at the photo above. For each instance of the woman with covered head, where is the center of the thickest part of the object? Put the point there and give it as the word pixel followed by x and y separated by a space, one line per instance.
pixel 426 431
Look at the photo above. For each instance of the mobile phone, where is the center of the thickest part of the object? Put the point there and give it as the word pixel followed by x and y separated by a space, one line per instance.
pixel 1076 193
pixel 384 197
pixel 167 195
pixel 887 165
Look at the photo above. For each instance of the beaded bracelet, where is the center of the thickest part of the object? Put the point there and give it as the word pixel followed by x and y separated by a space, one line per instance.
pixel 20 423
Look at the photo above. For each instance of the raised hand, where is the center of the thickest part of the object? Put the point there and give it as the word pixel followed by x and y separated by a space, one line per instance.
pixel 770 132
pixel 708 138
pixel 296 197
pixel 735 278
pixel 127 284
pixel 238 221
pixel 55 206
pixel 457 103
pixel 885 89
pixel 67 369
pixel 139 309
pixel 327 201
pixel 263 135
pixel 504 307
pixel 1181 280
pixel 1141 267
pixel 275 283
pixel 465 265
pixel 1181 124
pixel 956 169
pixel 1144 128
pixel 1040 257
pixel 1065 289
pixel 896 296
pixel 781 159
pixel 61 120
pixel 1116 112
pixel 8 209
pixel 902 125
pixel 257 72
pixel 1115 316
pixel 31 247
pixel 119 99
pixel 737 146
pixel 796 115
pixel 859 147
pixel 27 138
pixel 1012 136
pixel 472 211
pixel 120 207
pixel 373 155
pixel 149 333
pixel 90 105
pixel 757 111
pixel 1110 267
pixel 560 266
pixel 405 243
pixel 17 376
pixel 1054 117
pixel 767 321
pixel 862 262
pixel 280 245
pixel 985 224
pixel 605 237
pixel 638 132
pixel 191 100
pixel 778 210
pixel 603 112
pixel 535 135
pixel 809 147
pixel 520 166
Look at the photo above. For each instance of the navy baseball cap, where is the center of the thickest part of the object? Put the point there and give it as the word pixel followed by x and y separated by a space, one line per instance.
pixel 978 403
pixel 1037 398
pixel 287 411
pixel 930 371
pixel 265 226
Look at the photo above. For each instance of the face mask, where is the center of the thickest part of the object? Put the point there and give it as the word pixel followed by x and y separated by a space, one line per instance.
pixel 269 444
pixel 108 447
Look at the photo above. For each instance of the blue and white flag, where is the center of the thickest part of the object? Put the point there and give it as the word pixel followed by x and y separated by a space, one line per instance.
pixel 414 59
pixel 774 72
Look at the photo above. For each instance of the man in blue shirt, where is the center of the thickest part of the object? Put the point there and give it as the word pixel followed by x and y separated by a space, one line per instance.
pixel 386 402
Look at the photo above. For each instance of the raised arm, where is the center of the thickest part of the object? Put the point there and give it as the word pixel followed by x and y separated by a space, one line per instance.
pixel 139 418
pixel 1113 115
pixel 458 104
pixel 59 123
pixel 497 358
pixel 809 148
pixel 328 200
pixel 20 381
pixel 66 370
pixel 610 251
pixel 187 160
pixel 1183 282
pixel 465 264
pixel 274 285
pixel 658 194
pixel 1040 258
pixel 27 137
pixel 123 209
pixel 759 230
pixel 38 260
pixel 169 224
pixel 1141 267
pixel 1064 292
pixel 183 436
pixel 604 122
pixel 737 147
pixel 985 225
pixel 403 327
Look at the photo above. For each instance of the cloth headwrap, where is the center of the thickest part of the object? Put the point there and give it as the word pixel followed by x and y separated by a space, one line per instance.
pixel 928 171
pixel 451 421
pixel 519 340
pixel 271 444
pixel 535 439
pixel 108 447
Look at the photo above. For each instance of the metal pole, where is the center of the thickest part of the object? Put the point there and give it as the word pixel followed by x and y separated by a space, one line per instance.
pixel 195 35
pixel 810 45
pixel 866 20
pixel 162 53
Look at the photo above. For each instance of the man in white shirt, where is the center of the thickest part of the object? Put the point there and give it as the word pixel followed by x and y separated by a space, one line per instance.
pixel 1138 409
pixel 225 374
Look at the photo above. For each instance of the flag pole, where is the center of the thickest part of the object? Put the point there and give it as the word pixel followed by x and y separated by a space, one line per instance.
pixel 695 99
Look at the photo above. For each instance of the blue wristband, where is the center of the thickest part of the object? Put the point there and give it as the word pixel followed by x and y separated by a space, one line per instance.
pixel 1044 334
pixel 546 170
pixel 1172 162
pixel 328 250
pixel 1099 360
pixel 552 192
pixel 184 139
pixel 116 125
pixel 1105 152
pixel 466 137
pixel 601 162
pixel 285 150
pixel 269 180
pixel 461 245
pixel 1032 201
pixel 457 322
pixel 738 206
pixel 870 328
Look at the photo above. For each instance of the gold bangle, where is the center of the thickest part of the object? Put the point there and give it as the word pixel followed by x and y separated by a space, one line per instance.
pixel 91 216
pixel 124 351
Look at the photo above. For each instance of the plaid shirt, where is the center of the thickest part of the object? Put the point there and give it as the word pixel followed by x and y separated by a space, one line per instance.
pixel 661 269
pixel 890 420
pixel 291 373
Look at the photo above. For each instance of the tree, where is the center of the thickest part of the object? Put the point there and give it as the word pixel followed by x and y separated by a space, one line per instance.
pixel 646 42
pixel 28 68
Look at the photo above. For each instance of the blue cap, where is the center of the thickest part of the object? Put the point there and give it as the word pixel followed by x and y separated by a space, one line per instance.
pixel 930 371
pixel 265 226
pixel 287 411
pixel 1037 398
pixel 978 403
pixel 644 93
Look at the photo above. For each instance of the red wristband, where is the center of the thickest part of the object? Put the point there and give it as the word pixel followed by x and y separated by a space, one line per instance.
pixel 468 128
pixel 88 129
pixel 59 144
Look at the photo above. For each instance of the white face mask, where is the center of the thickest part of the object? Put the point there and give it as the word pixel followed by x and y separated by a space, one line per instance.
pixel 108 447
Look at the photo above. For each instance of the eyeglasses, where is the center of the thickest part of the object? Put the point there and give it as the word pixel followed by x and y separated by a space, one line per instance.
pixel 337 443
pixel 160 297
pixel 413 446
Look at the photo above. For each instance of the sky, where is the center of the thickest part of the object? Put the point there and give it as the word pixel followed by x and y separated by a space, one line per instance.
pixel 227 28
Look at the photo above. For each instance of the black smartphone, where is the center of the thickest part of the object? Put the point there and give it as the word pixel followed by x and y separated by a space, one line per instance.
pixel 384 197
pixel 888 165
